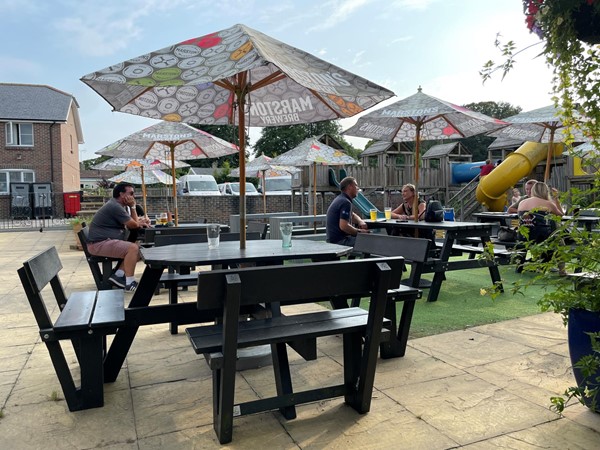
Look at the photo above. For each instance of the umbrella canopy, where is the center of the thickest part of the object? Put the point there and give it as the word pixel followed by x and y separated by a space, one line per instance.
pixel 235 76
pixel 146 163
pixel 177 141
pixel 134 176
pixel 538 125
pixel 422 117
pixel 311 152
pixel 142 164
pixel 262 167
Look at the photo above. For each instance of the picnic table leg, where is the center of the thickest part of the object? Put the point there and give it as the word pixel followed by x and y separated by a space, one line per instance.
pixel 494 271
pixel 116 354
pixel 283 378
pixel 439 277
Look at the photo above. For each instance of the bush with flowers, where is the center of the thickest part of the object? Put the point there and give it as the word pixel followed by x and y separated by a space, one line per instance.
pixel 570 33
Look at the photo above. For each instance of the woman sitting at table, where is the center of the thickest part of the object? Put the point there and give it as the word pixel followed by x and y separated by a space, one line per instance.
pixel 534 214
pixel 405 210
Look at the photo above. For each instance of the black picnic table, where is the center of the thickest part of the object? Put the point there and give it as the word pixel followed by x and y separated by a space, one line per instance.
pixel 454 232
pixel 139 311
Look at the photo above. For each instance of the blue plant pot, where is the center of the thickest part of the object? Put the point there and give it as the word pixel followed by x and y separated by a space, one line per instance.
pixel 581 322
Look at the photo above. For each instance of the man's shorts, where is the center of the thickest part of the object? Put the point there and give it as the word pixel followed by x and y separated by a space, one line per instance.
pixel 113 248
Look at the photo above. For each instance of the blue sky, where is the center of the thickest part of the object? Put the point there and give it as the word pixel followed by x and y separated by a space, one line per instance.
pixel 401 44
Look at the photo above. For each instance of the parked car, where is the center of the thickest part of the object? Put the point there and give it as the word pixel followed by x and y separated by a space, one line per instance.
pixel 198 185
pixel 277 185
pixel 234 189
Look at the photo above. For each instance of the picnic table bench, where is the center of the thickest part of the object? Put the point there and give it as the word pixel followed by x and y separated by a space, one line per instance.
pixel 234 219
pixel 101 267
pixel 184 276
pixel 85 318
pixel 228 292
pixel 415 252
pixel 302 225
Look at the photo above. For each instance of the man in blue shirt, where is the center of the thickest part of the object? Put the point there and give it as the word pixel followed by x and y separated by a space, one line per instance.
pixel 340 216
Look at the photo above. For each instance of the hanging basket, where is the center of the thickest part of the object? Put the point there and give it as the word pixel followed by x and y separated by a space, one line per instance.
pixel 586 22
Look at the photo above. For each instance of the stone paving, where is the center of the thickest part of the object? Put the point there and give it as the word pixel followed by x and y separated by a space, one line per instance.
pixel 485 387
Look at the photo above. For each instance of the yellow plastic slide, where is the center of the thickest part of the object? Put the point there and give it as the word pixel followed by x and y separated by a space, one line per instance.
pixel 491 191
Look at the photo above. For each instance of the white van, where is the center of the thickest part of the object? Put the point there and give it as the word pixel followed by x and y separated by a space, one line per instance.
pixel 277 185
pixel 234 188
pixel 198 185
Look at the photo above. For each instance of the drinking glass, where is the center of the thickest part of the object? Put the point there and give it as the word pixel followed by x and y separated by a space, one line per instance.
pixel 162 219
pixel 388 213
pixel 373 214
pixel 213 231
pixel 286 234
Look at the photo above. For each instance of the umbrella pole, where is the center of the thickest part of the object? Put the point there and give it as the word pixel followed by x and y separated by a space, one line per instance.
pixel 417 150
pixel 549 157
pixel 175 212
pixel 315 197
pixel 264 191
pixel 144 191
pixel 241 95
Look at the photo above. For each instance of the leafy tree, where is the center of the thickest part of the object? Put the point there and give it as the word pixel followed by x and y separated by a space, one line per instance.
pixel 228 133
pixel 478 145
pixel 277 140
pixel 88 163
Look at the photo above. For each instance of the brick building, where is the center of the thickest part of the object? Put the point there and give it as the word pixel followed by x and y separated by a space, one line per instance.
pixel 40 133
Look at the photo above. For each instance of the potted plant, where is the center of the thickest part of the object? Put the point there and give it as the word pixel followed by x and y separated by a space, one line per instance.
pixel 77 223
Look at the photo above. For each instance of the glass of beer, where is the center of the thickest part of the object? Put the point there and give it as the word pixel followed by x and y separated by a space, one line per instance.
pixel 373 214
pixel 388 213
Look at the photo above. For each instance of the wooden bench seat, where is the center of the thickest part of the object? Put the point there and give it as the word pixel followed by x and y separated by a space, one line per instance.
pixel 230 290
pixel 502 256
pixel 307 327
pixel 86 318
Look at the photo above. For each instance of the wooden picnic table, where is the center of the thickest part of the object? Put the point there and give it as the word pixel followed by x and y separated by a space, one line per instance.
pixel 454 232
pixel 503 218
pixel 139 312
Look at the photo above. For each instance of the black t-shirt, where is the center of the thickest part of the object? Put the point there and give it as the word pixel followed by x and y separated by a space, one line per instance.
pixel 340 208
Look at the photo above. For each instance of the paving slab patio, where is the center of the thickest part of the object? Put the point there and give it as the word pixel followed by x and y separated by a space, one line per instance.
pixel 485 387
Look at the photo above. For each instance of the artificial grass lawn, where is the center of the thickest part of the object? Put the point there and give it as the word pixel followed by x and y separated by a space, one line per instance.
pixel 460 304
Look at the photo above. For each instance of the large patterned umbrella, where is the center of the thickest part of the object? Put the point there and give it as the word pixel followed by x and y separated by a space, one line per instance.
pixel 235 76
pixel 134 176
pixel 538 125
pixel 144 164
pixel 311 152
pixel 422 117
pixel 172 140
pixel 263 167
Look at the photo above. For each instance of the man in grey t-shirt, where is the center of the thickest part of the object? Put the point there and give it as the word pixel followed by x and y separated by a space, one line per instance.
pixel 107 234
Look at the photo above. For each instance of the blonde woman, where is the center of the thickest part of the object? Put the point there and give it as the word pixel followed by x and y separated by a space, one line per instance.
pixel 405 210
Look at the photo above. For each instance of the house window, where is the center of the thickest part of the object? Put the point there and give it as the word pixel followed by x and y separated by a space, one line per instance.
pixel 19 134
pixel 14 176
pixel 373 161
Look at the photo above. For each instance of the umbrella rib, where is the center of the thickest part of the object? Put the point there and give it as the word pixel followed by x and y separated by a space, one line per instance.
pixel 452 125
pixel 273 78
pixel 326 104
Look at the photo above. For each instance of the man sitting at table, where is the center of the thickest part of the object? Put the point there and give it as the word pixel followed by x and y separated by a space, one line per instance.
pixel 107 234
pixel 339 214
pixel 514 207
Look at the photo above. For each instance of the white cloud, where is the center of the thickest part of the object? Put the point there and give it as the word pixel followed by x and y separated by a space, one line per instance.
pixel 23 67
pixel 337 11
